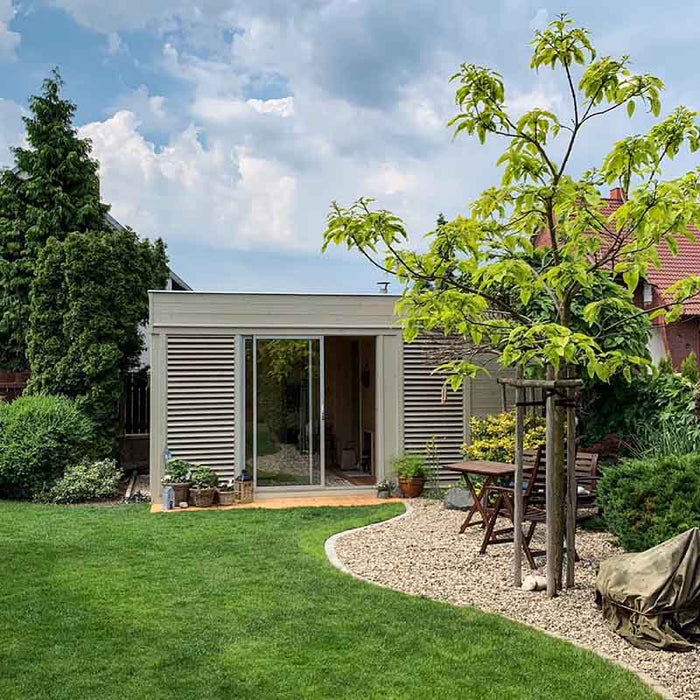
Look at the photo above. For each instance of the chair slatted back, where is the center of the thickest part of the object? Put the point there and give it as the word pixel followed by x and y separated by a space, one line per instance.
pixel 586 465
pixel 532 461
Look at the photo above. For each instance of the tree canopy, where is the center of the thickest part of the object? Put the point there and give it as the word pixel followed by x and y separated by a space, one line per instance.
pixel 483 277
pixel 52 190
pixel 89 300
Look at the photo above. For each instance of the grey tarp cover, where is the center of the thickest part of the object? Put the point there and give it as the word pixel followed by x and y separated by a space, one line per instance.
pixel 652 599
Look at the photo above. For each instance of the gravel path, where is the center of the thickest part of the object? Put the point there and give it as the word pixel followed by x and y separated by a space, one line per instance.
pixel 423 554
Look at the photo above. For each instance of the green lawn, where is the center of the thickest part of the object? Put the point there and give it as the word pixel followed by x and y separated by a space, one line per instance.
pixel 117 603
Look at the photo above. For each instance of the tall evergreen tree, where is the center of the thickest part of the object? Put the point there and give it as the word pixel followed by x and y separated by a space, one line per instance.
pixel 52 190
pixel 89 299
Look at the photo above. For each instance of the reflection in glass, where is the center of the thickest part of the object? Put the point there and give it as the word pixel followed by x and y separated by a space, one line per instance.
pixel 287 401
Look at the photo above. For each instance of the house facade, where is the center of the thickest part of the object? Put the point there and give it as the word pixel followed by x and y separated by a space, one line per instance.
pixel 678 339
pixel 305 392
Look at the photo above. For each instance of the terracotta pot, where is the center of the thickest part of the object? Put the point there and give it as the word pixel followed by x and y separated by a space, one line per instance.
pixel 180 492
pixel 411 488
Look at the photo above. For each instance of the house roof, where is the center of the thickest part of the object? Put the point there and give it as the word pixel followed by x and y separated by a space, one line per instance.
pixel 673 268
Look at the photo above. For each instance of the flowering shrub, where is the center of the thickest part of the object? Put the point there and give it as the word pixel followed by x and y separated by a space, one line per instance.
pixel 493 437
pixel 86 481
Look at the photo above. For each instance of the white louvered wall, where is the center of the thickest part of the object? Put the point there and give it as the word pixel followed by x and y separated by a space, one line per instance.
pixel 201 401
pixel 425 414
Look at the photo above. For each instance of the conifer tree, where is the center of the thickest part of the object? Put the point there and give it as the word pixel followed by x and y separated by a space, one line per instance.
pixel 52 190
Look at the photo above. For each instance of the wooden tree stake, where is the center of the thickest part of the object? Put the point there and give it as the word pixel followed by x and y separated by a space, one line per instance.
pixel 518 486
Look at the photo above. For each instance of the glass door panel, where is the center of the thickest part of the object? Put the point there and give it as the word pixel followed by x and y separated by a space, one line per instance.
pixel 287 399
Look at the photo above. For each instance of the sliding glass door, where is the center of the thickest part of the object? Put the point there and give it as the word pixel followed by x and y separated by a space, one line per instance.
pixel 284 405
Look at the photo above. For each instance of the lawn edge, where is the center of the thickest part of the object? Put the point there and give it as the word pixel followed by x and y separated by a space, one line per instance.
pixel 338 563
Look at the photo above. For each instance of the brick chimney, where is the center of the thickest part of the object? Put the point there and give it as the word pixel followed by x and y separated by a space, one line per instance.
pixel 617 194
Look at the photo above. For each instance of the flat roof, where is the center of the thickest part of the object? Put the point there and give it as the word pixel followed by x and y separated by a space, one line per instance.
pixel 374 295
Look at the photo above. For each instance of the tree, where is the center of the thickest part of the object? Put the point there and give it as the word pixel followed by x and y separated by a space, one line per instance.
pixel 89 299
pixel 53 190
pixel 482 276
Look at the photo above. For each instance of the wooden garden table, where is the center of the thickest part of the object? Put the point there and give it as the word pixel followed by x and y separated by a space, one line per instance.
pixel 490 471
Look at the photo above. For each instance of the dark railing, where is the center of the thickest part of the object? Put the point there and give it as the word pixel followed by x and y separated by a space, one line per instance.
pixel 135 410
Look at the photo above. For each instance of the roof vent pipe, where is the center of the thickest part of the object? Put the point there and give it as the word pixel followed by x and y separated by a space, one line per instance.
pixel 383 287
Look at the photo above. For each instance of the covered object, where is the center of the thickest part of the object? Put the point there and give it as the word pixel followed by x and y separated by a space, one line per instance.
pixel 652 599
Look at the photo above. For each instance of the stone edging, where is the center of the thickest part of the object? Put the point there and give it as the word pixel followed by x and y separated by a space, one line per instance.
pixel 336 561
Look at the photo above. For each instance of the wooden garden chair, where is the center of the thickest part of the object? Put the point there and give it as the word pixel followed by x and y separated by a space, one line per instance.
pixel 534 502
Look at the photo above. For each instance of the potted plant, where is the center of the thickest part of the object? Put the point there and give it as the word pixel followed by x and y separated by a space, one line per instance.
pixel 177 473
pixel 226 493
pixel 384 489
pixel 203 488
pixel 410 469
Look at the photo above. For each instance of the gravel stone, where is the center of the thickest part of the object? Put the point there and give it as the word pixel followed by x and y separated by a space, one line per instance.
pixel 423 554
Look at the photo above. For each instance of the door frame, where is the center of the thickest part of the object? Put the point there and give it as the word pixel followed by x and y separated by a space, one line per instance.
pixel 321 412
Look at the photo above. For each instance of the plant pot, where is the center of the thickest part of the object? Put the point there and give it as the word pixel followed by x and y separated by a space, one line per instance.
pixel 180 492
pixel 203 498
pixel 384 493
pixel 226 498
pixel 411 488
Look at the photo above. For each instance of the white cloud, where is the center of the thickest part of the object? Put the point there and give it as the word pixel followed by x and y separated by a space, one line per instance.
pixel 9 40
pixel 11 130
pixel 114 44
pixel 222 110
pixel 224 196
pixel 387 179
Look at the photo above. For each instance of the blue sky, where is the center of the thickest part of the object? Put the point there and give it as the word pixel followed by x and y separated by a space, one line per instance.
pixel 228 126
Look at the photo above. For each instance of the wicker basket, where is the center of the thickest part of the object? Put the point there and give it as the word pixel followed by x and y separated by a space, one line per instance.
pixel 226 498
pixel 243 491
pixel 203 498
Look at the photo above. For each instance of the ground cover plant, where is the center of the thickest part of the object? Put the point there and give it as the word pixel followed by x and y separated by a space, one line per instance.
pixel 115 602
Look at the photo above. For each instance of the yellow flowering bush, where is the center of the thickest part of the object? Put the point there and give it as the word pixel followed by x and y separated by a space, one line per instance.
pixel 493 437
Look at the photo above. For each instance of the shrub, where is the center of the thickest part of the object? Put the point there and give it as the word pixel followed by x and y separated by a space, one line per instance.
pixel 204 477
pixel 39 437
pixel 493 437
pixel 410 466
pixel 647 501
pixel 87 481
pixel 177 471
pixel 667 398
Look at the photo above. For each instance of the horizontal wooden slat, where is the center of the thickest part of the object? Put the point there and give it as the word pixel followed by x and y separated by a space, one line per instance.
pixel 426 416
pixel 201 401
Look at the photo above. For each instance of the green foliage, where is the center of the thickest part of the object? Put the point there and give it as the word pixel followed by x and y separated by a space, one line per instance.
pixel 87 481
pixel 689 368
pixel 493 437
pixel 204 477
pixel 410 466
pixel 39 437
pixel 648 413
pixel 648 501
pixel 52 190
pixel 89 298
pixel 177 471
pixel 482 277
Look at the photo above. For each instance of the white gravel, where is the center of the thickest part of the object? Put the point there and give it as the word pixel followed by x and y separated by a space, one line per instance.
pixel 423 554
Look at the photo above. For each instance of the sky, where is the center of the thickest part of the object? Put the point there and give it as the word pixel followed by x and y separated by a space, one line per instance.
pixel 227 127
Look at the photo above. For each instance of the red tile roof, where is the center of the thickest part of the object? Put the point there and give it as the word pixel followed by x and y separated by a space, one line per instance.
pixel 673 267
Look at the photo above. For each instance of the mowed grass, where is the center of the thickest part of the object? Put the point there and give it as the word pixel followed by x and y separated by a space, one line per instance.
pixel 117 603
